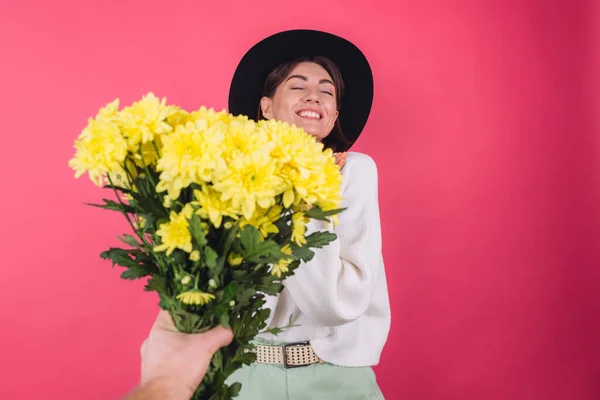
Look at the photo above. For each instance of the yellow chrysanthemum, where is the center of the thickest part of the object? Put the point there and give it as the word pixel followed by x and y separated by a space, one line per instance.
pixel 109 112
pixel 148 153
pixel 144 120
pixel 100 150
pixel 189 155
pixel 122 177
pixel 309 172
pixel 186 280
pixel 299 221
pixel 283 265
pixel 211 206
pixel 210 117
pixel 175 233
pixel 195 255
pixel 264 220
pixel 297 153
pixel 178 117
pixel 140 222
pixel 234 259
pixel 195 297
pixel 242 138
pixel 328 193
pixel 250 181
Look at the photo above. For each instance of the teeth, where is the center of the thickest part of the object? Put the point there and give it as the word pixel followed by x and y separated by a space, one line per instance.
pixel 310 114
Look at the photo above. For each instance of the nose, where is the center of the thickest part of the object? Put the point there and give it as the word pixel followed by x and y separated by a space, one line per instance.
pixel 312 96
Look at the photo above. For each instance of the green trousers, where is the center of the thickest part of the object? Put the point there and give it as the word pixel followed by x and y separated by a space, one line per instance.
pixel 314 382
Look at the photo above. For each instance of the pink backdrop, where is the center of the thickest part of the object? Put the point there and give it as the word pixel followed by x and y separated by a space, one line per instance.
pixel 482 128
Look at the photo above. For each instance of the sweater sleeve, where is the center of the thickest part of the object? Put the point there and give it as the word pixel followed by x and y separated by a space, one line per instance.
pixel 337 285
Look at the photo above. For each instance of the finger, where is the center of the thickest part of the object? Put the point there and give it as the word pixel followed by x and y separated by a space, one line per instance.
pixel 143 351
pixel 209 342
pixel 164 321
pixel 215 338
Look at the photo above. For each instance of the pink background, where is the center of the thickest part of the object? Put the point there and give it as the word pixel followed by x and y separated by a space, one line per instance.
pixel 485 129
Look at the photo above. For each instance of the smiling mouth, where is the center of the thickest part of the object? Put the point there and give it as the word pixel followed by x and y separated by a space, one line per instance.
pixel 310 114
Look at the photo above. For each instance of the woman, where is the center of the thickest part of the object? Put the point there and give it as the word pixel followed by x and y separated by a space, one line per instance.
pixel 338 302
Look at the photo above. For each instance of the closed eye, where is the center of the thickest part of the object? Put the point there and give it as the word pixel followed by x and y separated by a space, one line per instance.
pixel 329 93
pixel 297 88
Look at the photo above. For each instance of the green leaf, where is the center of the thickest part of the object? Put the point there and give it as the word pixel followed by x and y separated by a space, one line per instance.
pixel 149 222
pixel 277 330
pixel 224 320
pixel 135 272
pixel 196 230
pixel 253 250
pixel 320 239
pixel 137 262
pixel 220 310
pixel 244 297
pixel 166 302
pixel 217 360
pixel 230 291
pixel 235 389
pixel 249 238
pixel 303 253
pixel 179 257
pixel 130 240
pixel 119 188
pixel 224 248
pixel 157 284
pixel 274 331
pixel 262 315
pixel 210 256
pixel 317 213
pixel 185 321
pixel 122 257
pixel 283 226
pixel 151 205
pixel 113 206
pixel 271 288
pixel 246 358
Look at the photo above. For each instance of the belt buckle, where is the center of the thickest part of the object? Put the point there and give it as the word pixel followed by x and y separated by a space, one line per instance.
pixel 285 359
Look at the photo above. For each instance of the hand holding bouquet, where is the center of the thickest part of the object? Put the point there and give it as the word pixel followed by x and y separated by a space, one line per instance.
pixel 218 206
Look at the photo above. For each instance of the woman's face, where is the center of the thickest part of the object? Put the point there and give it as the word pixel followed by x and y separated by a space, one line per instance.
pixel 306 98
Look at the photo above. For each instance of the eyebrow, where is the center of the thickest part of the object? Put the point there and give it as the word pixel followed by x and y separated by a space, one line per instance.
pixel 302 77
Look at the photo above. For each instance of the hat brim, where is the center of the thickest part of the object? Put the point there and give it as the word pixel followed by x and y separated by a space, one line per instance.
pixel 248 81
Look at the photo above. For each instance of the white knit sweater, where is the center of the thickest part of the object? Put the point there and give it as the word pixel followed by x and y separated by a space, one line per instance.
pixel 340 299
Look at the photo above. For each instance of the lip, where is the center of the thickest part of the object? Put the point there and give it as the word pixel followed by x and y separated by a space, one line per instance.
pixel 310 109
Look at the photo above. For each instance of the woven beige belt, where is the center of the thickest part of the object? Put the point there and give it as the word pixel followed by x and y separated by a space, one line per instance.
pixel 289 355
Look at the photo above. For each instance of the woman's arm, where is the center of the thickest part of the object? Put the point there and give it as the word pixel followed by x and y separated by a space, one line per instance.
pixel 336 286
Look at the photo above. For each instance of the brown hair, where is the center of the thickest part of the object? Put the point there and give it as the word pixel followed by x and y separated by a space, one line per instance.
pixel 336 139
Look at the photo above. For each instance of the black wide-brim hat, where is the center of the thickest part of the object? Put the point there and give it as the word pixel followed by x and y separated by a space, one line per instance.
pixel 248 81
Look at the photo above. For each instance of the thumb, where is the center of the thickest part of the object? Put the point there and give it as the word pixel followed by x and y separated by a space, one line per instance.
pixel 214 339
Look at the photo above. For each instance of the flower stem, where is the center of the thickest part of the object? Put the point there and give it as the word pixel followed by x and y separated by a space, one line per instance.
pixel 125 213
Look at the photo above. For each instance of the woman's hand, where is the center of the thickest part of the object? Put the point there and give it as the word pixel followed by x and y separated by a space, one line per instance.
pixel 340 159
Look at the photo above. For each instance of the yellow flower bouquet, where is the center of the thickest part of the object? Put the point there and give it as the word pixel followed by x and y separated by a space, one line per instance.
pixel 218 206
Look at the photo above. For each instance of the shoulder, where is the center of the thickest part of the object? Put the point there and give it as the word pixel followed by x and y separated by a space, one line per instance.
pixel 360 184
pixel 360 165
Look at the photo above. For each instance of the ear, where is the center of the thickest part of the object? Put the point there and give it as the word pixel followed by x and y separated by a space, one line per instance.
pixel 337 114
pixel 266 105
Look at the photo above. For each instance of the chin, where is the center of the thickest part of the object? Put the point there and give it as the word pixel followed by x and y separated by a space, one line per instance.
pixel 316 135
pixel 310 131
